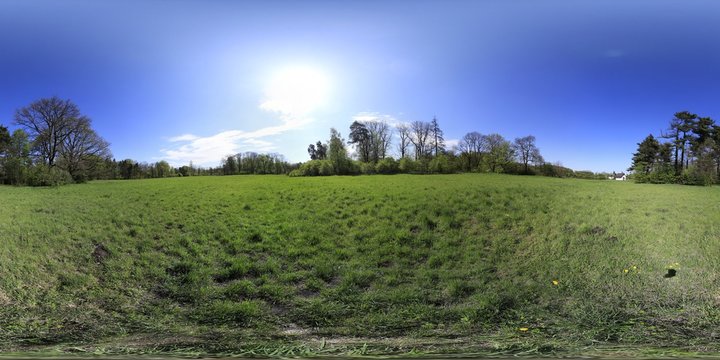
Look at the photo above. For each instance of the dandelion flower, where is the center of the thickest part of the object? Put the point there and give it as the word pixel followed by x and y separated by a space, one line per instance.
pixel 634 267
pixel 523 329
pixel 555 282
pixel 626 271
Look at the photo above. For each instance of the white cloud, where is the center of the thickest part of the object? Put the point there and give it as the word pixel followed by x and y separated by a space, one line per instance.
pixel 184 137
pixel 451 143
pixel 376 116
pixel 209 150
pixel 292 95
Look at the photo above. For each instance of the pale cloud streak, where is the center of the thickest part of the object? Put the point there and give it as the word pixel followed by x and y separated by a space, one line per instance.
pixel 184 137
pixel 289 104
pixel 376 116
pixel 451 144
pixel 209 150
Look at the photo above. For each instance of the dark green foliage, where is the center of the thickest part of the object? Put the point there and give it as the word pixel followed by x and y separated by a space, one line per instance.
pixel 4 139
pixel 360 137
pixel 690 156
pixel 646 157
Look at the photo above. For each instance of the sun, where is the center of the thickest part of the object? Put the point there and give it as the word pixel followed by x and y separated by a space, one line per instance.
pixel 296 91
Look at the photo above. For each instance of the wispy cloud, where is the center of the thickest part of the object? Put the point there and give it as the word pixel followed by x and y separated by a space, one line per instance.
pixel 293 112
pixel 452 143
pixel 184 137
pixel 376 116
pixel 209 150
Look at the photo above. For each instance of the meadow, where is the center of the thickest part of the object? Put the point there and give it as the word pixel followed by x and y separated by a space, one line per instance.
pixel 273 265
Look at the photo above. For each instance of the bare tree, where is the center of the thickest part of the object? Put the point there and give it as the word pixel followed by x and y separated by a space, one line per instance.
pixel 379 133
pixel 471 146
pixel 526 151
pixel 48 122
pixel 82 149
pixel 404 134
pixel 420 131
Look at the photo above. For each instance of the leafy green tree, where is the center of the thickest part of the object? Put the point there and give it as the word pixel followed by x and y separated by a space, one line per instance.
pixel 230 165
pixel 360 137
pixel 684 122
pixel 17 161
pixel 321 150
pixel 499 152
pixel 702 131
pixel 703 170
pixel 715 136
pixel 440 165
pixel 337 153
pixel 4 139
pixel 644 159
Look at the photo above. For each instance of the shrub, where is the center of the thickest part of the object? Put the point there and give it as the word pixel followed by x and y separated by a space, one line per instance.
pixel 41 175
pixel 407 165
pixel 387 166
pixel 313 168
pixel 440 165
pixel 326 168
pixel 367 168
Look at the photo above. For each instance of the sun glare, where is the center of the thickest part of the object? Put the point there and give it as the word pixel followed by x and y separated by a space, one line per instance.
pixel 296 91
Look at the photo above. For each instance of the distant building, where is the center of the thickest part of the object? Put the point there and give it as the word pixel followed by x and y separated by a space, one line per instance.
pixel 618 176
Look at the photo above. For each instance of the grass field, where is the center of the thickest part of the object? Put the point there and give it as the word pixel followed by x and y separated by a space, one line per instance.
pixel 368 264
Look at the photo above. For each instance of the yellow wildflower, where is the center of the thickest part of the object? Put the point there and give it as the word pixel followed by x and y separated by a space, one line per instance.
pixel 523 329
pixel 634 267
pixel 626 271
pixel 555 282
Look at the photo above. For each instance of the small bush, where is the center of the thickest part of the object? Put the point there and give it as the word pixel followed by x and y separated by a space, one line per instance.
pixel 42 175
pixel 387 166
pixel 367 168
pixel 407 166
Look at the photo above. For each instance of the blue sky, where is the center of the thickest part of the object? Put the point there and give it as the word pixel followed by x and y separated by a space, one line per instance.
pixel 195 80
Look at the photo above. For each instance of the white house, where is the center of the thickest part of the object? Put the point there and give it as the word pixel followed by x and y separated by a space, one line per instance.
pixel 618 176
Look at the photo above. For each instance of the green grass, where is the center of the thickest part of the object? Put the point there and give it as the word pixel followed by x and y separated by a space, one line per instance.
pixel 446 263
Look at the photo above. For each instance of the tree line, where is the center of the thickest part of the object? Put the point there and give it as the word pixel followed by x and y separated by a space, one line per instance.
pixel 421 149
pixel 688 152
pixel 56 144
